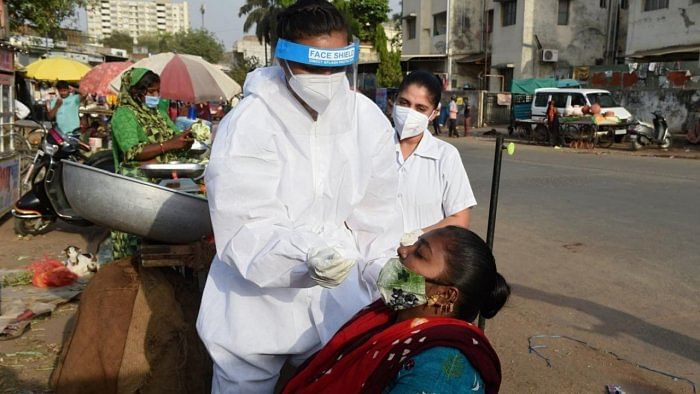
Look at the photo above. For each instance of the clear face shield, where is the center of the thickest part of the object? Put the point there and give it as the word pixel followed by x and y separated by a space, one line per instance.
pixel 321 77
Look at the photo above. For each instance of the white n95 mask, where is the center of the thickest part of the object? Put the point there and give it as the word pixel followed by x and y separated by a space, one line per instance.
pixel 316 90
pixel 408 122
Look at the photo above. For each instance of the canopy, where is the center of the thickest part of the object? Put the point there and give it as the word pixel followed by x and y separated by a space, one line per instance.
pixel 187 78
pixel 56 69
pixel 528 86
pixel 98 79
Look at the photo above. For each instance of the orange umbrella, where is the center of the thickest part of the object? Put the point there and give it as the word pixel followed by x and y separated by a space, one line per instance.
pixel 98 79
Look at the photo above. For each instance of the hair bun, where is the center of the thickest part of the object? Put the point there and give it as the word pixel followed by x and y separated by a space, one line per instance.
pixel 498 297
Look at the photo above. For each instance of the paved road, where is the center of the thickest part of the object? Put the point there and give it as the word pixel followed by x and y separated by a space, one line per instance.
pixel 605 248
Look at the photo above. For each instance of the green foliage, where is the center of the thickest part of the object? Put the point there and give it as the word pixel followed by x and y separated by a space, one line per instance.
pixel 156 43
pixel 263 14
pixel 192 42
pixel 369 14
pixel 45 15
pixel 344 7
pixel 118 39
pixel 379 40
pixel 198 42
pixel 242 66
pixel 389 73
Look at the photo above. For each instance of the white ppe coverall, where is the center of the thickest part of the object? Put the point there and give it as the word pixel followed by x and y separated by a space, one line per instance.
pixel 280 184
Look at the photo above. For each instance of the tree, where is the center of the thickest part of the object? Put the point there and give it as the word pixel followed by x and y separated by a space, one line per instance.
pixel 119 39
pixel 45 15
pixel 369 14
pixel 389 72
pixel 155 42
pixel 198 42
pixel 242 66
pixel 263 14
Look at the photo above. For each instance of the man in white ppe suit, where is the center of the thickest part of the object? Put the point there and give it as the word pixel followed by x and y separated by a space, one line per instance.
pixel 302 194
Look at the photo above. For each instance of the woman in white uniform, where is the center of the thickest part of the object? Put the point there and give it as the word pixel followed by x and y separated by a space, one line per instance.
pixel 302 194
pixel 434 189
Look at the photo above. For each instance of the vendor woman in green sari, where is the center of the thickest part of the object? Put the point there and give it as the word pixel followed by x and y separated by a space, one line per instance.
pixel 142 133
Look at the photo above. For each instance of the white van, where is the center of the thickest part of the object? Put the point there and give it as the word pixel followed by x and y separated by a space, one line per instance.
pixel 570 97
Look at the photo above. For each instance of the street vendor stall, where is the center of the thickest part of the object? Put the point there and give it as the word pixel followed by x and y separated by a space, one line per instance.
pixel 9 158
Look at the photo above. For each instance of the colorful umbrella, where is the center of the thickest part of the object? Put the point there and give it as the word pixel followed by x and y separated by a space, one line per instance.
pixel 187 78
pixel 56 68
pixel 98 79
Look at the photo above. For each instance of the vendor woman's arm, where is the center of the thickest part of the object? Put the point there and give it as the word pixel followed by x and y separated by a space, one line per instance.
pixel 131 139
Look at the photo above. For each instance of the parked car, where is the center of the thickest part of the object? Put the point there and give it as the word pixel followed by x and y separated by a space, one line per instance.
pixel 570 97
pixel 565 97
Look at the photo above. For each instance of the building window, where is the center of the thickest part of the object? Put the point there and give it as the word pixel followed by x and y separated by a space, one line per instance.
pixel 651 5
pixel 694 1
pixel 624 4
pixel 411 27
pixel 603 4
pixel 563 16
pixel 440 24
pixel 508 12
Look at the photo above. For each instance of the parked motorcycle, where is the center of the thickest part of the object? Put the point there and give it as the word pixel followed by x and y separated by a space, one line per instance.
pixel 45 202
pixel 643 134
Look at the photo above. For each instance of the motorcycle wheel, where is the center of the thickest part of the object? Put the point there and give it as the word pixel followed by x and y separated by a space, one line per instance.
pixel 636 145
pixel 33 226
pixel 667 142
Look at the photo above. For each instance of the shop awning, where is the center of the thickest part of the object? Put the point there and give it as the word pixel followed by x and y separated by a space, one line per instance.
pixel 678 49
pixel 474 58
pixel 422 57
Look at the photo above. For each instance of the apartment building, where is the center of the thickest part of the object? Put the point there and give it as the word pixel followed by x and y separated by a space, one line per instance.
pixel 663 30
pixel 542 38
pixel 137 17
pixel 454 50
pixel 490 42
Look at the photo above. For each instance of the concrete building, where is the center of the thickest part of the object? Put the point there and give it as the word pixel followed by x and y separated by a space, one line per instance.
pixel 136 17
pixel 663 30
pixel 453 50
pixel 544 38
pixel 248 47
pixel 487 43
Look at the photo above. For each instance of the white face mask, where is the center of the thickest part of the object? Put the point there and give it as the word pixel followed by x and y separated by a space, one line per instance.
pixel 408 122
pixel 316 90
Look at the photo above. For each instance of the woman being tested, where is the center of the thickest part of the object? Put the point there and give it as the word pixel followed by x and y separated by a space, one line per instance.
pixel 142 133
pixel 434 189
pixel 419 338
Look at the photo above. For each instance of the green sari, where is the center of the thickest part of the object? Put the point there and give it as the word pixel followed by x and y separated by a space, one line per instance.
pixel 133 127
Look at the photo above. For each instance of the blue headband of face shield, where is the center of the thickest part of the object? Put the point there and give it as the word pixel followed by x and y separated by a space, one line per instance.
pixel 320 57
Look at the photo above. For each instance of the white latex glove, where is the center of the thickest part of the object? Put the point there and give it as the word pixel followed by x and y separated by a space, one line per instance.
pixel 409 239
pixel 327 267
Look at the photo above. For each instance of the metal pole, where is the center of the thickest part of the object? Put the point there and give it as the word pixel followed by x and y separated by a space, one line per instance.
pixel 493 204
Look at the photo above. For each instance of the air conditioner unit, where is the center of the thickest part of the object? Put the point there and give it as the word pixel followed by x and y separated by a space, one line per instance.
pixel 550 55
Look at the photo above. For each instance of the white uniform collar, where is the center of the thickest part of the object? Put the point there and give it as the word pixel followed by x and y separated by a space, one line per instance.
pixel 427 147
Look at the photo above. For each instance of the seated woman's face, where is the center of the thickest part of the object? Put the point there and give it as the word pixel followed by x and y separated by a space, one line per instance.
pixel 427 257
pixel 417 98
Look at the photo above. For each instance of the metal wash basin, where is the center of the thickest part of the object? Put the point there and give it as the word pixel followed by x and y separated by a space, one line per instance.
pixel 133 206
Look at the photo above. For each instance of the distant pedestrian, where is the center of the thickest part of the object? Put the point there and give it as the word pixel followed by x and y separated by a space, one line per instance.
pixel 436 120
pixel 453 116
pixel 65 108
pixel 467 118
pixel 553 124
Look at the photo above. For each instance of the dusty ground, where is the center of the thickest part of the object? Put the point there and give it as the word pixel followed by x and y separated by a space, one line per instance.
pixel 26 363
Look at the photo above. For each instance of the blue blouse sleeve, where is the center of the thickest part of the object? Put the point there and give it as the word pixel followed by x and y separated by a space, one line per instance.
pixel 437 370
